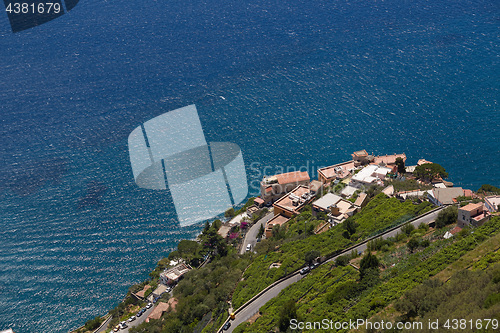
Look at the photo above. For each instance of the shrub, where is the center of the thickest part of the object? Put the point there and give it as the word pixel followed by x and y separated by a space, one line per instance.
pixel 229 213
pixel 93 324
pixel 413 243
pixel 367 262
pixel 447 216
pixel 408 229
pixel 342 260
pixel 311 256
pixel 287 313
pixel 491 300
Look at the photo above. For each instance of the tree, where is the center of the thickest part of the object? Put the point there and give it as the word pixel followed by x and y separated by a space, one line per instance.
pixel 373 191
pixel 447 216
pixel 278 231
pixel 408 229
pixel 261 231
pixel 342 260
pixel 429 171
pixel 311 256
pixel 217 224
pixel 287 313
pixel 93 324
pixel 207 226
pixel 400 163
pixel 486 188
pixel 350 227
pixel 367 262
pixel 213 241
pixel 189 250
pixel 229 213
pixel 413 243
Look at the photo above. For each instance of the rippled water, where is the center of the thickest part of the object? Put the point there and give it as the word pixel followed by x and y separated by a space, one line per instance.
pixel 293 84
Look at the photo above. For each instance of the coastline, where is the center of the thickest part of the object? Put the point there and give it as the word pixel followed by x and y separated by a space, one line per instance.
pixel 241 210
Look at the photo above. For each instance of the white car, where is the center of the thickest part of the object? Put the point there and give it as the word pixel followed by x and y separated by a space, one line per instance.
pixel 131 319
pixel 249 247
pixel 149 305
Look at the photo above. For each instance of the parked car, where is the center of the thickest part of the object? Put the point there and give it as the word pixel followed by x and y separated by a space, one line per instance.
pixel 139 313
pixel 117 328
pixel 226 326
pixel 131 319
pixel 316 264
pixel 149 305
pixel 305 270
pixel 249 247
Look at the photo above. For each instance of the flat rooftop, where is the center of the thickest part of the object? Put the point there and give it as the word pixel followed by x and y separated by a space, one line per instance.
pixel 286 202
pixel 340 170
pixel 368 173
pixel 494 199
pixel 175 272
pixel 388 159
pixel 360 153
pixel 278 220
pixel 471 207
pixel 293 177
pixel 224 230
pixel 326 201
pixel 359 200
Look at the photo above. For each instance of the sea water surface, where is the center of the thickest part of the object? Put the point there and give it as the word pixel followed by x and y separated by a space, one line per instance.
pixel 293 83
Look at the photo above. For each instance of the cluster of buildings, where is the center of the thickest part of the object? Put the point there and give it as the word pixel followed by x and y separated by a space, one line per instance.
pixel 290 192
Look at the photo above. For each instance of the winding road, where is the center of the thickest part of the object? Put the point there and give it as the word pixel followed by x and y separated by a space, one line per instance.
pixel 251 236
pixel 252 307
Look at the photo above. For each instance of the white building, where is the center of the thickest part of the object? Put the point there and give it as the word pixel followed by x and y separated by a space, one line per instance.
pixel 369 175
pixel 444 196
pixel 492 203
pixel 336 208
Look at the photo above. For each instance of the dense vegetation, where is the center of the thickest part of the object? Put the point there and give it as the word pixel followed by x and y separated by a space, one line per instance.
pixel 434 299
pixel 407 185
pixel 447 216
pixel 489 189
pixel 380 213
pixel 202 293
pixel 342 295
pixel 429 171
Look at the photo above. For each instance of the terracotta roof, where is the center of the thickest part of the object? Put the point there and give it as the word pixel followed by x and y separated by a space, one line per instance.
pixel 293 177
pixel 158 311
pixel 388 159
pixel 470 207
pixel 258 201
pixel 361 198
pixel 467 193
pixel 286 201
pixel 341 172
pixel 315 185
pixel 278 219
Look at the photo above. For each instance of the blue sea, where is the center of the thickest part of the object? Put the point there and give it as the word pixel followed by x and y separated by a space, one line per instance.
pixel 293 83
